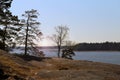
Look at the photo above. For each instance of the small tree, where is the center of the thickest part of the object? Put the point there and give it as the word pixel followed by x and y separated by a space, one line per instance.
pixel 68 52
pixel 30 31
pixel 60 36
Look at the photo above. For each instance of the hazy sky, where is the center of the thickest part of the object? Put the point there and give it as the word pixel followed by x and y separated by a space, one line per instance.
pixel 88 20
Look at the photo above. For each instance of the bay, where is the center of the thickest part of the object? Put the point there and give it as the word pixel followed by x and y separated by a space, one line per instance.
pixel 112 57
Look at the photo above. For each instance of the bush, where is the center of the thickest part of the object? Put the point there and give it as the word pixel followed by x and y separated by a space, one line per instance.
pixel 68 53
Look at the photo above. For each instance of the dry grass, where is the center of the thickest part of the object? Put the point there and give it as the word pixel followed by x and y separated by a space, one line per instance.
pixel 13 65
pixel 62 69
pixel 34 68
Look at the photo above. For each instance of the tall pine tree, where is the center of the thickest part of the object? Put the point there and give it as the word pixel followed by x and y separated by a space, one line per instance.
pixel 30 31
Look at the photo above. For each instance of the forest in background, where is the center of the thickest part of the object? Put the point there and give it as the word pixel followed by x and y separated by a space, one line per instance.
pixel 105 46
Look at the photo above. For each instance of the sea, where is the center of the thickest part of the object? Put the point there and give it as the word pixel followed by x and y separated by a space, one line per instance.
pixel 112 57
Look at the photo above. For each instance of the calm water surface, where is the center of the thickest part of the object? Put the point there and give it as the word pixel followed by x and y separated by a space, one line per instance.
pixel 106 57
pixel 97 56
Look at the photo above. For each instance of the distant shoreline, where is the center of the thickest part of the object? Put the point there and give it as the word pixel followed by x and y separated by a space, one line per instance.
pixel 97 51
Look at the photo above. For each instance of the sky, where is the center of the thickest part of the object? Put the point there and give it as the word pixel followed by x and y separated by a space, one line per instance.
pixel 88 20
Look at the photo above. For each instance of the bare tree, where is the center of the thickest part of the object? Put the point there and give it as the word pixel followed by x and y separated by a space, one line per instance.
pixel 70 44
pixel 60 36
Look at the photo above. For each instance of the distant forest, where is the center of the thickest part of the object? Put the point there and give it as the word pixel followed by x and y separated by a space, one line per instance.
pixel 106 46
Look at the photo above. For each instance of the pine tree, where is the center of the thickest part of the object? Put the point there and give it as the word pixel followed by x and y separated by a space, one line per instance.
pixel 9 25
pixel 30 30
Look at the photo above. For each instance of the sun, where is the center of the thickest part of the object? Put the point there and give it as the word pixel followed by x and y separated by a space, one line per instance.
pixel 45 42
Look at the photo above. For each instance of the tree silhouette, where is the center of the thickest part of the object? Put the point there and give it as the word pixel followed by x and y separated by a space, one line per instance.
pixel 60 36
pixel 9 24
pixel 30 30
pixel 105 46
pixel 68 53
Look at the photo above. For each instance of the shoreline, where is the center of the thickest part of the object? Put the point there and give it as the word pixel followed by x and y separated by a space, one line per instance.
pixel 96 51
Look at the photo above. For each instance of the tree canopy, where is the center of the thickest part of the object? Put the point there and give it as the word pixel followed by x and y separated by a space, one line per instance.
pixel 30 30
pixel 9 25
pixel 60 36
